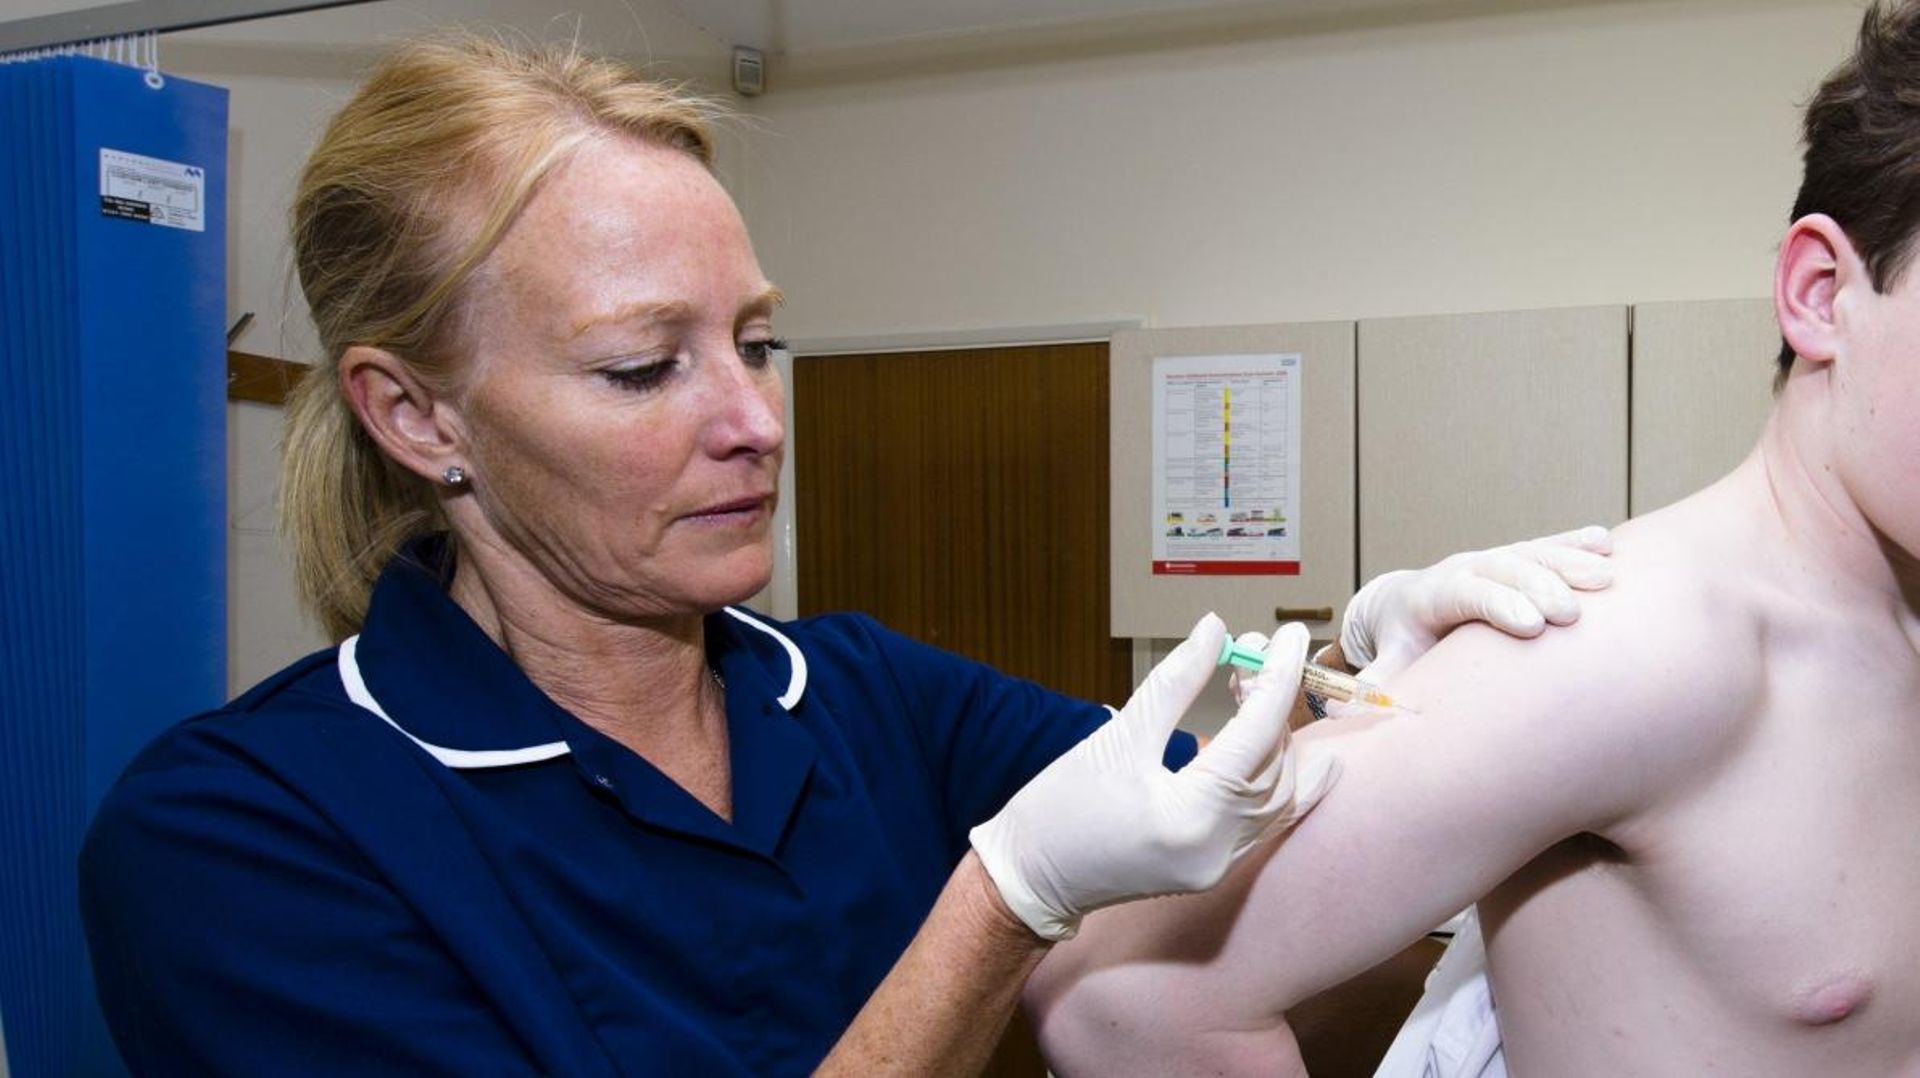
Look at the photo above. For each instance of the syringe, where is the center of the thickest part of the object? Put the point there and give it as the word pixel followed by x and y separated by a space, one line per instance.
pixel 1314 678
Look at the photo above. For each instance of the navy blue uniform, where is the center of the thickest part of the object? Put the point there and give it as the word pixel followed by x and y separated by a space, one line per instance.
pixel 401 856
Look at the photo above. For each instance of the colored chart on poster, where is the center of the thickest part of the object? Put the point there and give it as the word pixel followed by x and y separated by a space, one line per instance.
pixel 1226 465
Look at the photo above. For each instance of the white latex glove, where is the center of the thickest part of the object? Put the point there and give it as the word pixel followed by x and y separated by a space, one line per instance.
pixel 1106 822
pixel 1519 589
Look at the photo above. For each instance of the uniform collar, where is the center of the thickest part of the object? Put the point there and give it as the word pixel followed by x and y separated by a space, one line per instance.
pixel 770 755
pixel 425 668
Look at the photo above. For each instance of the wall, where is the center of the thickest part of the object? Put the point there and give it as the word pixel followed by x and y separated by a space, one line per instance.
pixel 1482 157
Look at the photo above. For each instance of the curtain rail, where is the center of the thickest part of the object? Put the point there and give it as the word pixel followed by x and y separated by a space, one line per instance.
pixel 141 17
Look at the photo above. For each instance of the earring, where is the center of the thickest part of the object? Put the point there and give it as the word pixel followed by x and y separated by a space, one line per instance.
pixel 455 475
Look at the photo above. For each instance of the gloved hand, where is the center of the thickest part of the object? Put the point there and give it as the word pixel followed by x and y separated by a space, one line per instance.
pixel 1519 589
pixel 1106 822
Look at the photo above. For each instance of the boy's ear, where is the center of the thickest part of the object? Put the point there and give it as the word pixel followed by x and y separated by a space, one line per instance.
pixel 1817 261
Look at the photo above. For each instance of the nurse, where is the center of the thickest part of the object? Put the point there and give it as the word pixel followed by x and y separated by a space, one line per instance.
pixel 554 804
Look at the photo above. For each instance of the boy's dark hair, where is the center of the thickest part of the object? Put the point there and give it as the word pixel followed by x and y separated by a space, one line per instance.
pixel 1862 133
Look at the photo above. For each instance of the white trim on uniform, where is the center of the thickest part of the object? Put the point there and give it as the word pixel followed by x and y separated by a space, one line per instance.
pixel 797 681
pixel 456 758
pixel 482 758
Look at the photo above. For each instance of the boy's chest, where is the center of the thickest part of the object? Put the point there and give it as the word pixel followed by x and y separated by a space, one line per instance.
pixel 1769 902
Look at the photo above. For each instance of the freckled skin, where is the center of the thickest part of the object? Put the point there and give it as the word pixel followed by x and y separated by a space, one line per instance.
pixel 582 487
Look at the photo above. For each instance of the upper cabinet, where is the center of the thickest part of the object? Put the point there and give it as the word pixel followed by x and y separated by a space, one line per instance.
pixel 1480 429
pixel 1702 388
pixel 1236 442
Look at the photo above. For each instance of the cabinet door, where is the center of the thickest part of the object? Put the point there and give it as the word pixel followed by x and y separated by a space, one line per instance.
pixel 1481 429
pixel 1702 388
pixel 1149 605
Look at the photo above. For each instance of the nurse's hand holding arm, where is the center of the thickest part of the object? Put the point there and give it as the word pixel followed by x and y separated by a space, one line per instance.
pixel 1520 589
pixel 1104 824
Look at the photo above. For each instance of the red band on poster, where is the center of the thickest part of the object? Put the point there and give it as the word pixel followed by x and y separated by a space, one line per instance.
pixel 1226 568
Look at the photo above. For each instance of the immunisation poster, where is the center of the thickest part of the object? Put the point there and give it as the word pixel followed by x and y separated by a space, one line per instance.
pixel 1226 465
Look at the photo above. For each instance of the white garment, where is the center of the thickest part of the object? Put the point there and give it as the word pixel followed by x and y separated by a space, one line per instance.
pixel 1452 1032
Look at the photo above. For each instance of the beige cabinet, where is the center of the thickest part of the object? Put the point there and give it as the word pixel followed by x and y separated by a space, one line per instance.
pixel 1480 429
pixel 1702 388
pixel 1149 605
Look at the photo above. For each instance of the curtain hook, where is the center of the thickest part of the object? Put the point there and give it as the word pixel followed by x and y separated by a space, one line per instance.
pixel 154 79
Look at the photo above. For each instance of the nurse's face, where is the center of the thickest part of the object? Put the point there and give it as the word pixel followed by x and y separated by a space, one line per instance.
pixel 621 411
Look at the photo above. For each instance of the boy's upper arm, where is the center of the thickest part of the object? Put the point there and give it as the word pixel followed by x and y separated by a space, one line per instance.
pixel 1518 744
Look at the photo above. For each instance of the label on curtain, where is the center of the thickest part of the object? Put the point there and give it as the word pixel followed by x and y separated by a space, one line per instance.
pixel 148 189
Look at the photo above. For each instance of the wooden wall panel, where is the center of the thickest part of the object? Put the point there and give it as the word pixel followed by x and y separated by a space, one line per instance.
pixel 262 379
pixel 961 498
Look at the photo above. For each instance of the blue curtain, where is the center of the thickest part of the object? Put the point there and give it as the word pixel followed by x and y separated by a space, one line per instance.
pixel 112 486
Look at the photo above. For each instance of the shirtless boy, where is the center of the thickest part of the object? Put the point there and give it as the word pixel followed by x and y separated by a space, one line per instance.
pixel 1689 819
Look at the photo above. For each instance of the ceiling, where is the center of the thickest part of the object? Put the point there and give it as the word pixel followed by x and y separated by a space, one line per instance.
pixel 798 28
pixel 841 40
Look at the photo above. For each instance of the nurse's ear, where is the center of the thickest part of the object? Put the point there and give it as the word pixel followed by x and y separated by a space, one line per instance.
pixel 403 416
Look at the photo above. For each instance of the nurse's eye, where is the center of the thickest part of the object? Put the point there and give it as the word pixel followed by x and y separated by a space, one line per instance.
pixel 643 377
pixel 760 353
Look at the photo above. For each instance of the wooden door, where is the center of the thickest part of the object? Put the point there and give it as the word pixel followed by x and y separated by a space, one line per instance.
pixel 961 498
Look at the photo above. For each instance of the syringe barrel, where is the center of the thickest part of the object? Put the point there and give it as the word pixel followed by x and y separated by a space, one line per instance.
pixel 1331 684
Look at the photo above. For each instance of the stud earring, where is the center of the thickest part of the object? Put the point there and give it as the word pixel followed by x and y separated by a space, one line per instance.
pixel 455 475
